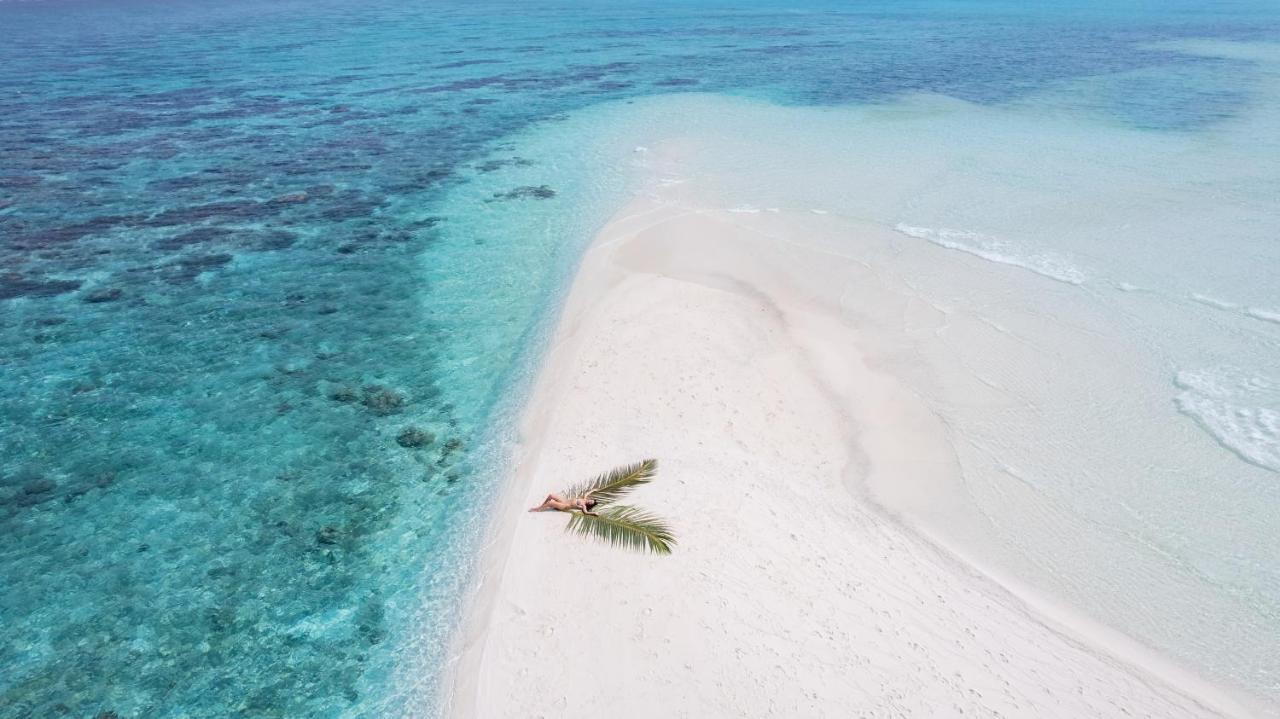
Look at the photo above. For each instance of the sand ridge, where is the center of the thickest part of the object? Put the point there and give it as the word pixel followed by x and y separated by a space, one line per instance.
pixel 691 338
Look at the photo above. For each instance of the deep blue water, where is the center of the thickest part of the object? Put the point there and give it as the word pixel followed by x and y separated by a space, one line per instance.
pixel 241 447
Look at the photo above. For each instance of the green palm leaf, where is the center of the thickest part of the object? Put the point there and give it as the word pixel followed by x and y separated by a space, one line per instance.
pixel 625 526
pixel 614 484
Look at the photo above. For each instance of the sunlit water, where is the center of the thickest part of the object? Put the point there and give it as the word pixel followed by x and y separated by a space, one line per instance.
pixel 275 275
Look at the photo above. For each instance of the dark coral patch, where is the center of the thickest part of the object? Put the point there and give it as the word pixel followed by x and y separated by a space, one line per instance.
pixel 19 181
pixel 425 223
pixel 494 165
pixel 527 192
pixel 200 235
pixel 15 285
pixel 382 401
pixel 189 268
pixel 290 198
pixel 172 184
pixel 69 233
pixel 103 294
pixel 347 205
pixel 231 209
pixel 414 438
pixel 272 240
pixel 343 394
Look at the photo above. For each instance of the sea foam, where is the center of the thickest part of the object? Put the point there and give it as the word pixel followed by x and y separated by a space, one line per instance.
pixel 1257 313
pixel 1240 410
pixel 1214 302
pixel 992 249
pixel 1264 314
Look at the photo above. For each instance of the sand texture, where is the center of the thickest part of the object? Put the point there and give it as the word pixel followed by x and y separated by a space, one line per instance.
pixel 692 338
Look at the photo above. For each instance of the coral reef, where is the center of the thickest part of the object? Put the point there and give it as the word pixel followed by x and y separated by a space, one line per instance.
pixel 414 438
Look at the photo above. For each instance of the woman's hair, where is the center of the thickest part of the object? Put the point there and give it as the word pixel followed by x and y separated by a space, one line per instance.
pixel 590 503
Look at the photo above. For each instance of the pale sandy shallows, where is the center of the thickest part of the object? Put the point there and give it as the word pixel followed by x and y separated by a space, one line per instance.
pixel 688 338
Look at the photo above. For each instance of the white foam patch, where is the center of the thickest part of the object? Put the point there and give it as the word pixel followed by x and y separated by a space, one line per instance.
pixel 1264 315
pixel 747 209
pixel 1215 302
pixel 1047 264
pixel 1240 410
pixel 1257 313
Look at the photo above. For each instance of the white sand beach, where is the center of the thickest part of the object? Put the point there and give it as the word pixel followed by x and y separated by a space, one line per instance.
pixel 692 337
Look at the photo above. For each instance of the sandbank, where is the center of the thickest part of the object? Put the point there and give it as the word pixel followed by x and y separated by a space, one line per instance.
pixel 693 335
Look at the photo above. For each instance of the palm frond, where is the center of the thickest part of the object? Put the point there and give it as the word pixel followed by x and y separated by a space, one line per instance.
pixel 625 526
pixel 615 483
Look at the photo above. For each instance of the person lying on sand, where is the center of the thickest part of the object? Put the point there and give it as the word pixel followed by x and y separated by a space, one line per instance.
pixel 560 504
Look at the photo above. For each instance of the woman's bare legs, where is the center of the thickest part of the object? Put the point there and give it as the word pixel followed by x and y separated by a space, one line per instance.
pixel 549 503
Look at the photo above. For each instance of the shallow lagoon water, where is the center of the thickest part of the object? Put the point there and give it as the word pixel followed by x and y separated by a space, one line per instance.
pixel 245 248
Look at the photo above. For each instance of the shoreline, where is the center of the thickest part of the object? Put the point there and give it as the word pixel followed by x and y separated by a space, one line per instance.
pixel 461 677
pixel 629 260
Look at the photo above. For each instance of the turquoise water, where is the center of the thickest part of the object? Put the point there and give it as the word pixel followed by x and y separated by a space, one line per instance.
pixel 274 274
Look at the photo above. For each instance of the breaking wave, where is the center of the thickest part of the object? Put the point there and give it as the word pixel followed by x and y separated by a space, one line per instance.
pixel 1240 410
pixel 992 249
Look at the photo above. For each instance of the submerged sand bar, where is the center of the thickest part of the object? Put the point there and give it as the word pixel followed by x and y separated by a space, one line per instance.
pixel 693 336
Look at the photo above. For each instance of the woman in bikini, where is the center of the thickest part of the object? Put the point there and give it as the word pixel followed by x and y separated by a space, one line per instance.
pixel 560 504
